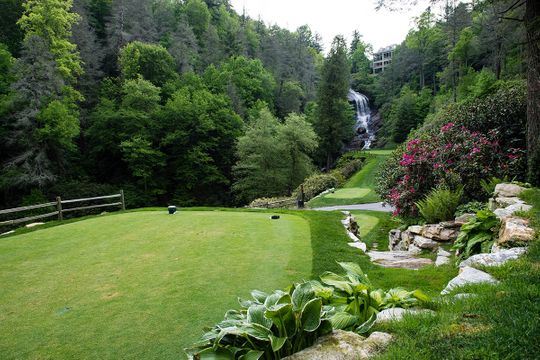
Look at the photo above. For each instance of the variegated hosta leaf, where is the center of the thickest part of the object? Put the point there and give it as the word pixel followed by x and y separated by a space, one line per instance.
pixel 234 315
pixel 278 310
pixel 255 315
pixel 302 294
pixel 337 281
pixel 215 354
pixel 257 331
pixel 364 328
pixel 259 296
pixel 252 355
pixel 311 315
pixel 277 342
pixel 343 320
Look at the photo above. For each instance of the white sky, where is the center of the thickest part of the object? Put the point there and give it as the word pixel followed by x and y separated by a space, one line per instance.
pixel 337 17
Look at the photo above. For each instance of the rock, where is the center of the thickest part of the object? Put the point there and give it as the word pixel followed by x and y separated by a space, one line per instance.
pixel 416 229
pixel 444 253
pixel 34 224
pixel 503 201
pixel 508 190
pixel 469 275
pixel 396 314
pixel 358 245
pixel 8 233
pixel 442 260
pixel 425 243
pixel 514 230
pixel 398 259
pixel 407 237
pixel 352 236
pixel 394 238
pixel 462 219
pixel 352 226
pixel 502 213
pixel 344 345
pixel 494 259
pixel 518 207
pixel 413 249
pixel 439 232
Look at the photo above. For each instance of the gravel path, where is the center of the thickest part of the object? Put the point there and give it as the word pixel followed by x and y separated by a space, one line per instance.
pixel 371 206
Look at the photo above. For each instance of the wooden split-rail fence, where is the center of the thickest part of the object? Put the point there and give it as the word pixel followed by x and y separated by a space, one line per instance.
pixel 61 209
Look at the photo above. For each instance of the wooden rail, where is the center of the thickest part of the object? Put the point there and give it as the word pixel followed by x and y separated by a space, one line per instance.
pixel 60 210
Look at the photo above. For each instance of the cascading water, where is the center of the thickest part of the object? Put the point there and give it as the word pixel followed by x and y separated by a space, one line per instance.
pixel 363 118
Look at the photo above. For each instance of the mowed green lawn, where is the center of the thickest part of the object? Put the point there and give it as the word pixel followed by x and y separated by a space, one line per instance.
pixel 139 285
pixel 360 187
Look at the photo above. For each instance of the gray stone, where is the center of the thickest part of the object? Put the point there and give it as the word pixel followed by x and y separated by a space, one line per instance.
pixel 425 243
pixel 439 232
pixel 514 230
pixel 407 237
pixel 396 314
pixel 469 275
pixel 462 219
pixel 444 253
pixel 8 233
pixel 344 345
pixel 503 201
pixel 413 249
pixel 352 236
pixel 518 207
pixel 398 259
pixel 442 260
pixel 494 259
pixel 502 213
pixel 394 238
pixel 416 229
pixel 508 190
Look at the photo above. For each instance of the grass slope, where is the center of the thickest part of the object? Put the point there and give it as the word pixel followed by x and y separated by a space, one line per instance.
pixel 501 322
pixel 360 187
pixel 141 284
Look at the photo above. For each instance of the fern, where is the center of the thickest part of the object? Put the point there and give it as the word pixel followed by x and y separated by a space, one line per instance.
pixel 440 204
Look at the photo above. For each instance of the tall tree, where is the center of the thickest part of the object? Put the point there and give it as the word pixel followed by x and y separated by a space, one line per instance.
pixel 334 123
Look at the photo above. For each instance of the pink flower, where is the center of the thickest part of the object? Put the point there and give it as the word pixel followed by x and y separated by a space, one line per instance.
pixel 447 127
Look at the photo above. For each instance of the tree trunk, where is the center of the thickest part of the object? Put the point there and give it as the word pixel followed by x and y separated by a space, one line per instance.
pixel 532 25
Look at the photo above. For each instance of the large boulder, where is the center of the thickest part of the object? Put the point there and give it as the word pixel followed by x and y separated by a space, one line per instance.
pixel 443 257
pixel 416 229
pixel 508 190
pixel 463 219
pixel 494 259
pixel 394 238
pixel 468 275
pixel 446 231
pixel 504 201
pixel 425 243
pixel 344 345
pixel 514 231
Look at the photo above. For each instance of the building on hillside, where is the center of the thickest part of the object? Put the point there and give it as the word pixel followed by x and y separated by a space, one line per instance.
pixel 382 58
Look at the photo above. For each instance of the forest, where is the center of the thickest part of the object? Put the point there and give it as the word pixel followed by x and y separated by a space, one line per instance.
pixel 189 102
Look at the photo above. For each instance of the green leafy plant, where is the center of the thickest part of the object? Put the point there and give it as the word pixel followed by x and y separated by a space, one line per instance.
pixel 488 185
pixel 316 184
pixel 477 235
pixel 270 325
pixel 354 304
pixel 440 204
pixel 470 208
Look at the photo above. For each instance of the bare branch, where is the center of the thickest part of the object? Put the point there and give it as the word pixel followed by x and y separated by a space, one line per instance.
pixel 510 18
pixel 515 5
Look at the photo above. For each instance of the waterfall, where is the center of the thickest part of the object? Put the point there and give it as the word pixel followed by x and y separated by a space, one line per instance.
pixel 363 117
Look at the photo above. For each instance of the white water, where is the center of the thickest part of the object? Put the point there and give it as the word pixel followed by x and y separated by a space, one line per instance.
pixel 363 116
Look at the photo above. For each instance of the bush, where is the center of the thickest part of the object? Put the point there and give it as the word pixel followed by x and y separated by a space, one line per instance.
pixel 451 155
pixel 440 204
pixel 273 202
pixel 350 168
pixel 316 184
pixel 350 156
pixel 470 208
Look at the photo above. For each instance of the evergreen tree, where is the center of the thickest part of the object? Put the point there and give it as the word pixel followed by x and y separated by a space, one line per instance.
pixel 334 122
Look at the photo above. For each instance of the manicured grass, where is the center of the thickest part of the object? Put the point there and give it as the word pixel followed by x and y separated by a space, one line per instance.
pixel 139 285
pixel 360 187
pixel 501 322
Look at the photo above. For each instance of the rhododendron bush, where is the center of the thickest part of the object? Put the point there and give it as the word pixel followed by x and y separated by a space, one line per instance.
pixel 450 155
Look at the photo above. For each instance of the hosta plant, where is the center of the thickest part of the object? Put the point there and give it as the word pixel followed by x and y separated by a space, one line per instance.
pixel 270 326
pixel 477 235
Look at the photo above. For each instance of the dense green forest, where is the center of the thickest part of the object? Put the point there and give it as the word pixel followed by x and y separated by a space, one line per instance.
pixel 189 102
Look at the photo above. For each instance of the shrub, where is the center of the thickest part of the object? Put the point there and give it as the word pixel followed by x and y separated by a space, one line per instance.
pixel 471 207
pixel 350 156
pixel 477 235
pixel 316 184
pixel 273 202
pixel 451 155
pixel 350 168
pixel 488 185
pixel 440 204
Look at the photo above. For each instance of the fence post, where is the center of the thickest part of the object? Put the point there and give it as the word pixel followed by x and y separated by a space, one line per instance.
pixel 123 200
pixel 59 208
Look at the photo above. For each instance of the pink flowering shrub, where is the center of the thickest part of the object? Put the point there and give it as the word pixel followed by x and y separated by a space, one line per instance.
pixel 451 155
